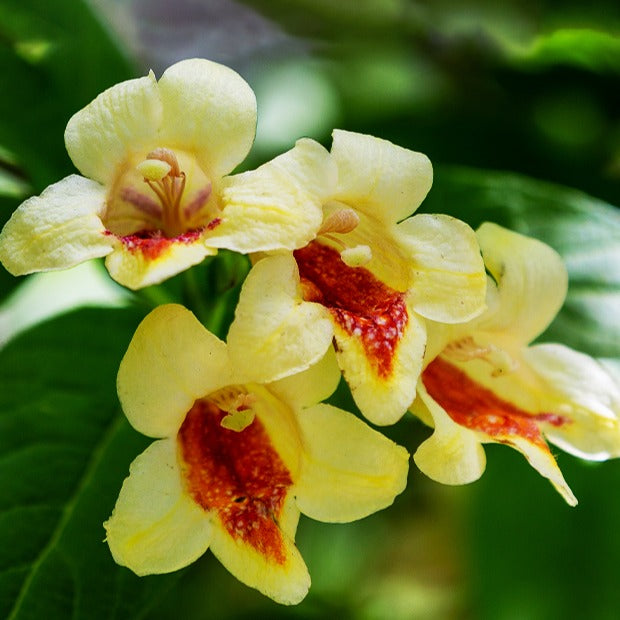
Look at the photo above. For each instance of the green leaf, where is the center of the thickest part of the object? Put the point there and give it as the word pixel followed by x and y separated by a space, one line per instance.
pixel 578 47
pixel 64 451
pixel 584 230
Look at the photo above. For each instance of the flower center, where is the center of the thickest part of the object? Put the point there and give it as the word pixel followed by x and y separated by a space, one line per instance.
pixel 236 474
pixel 360 304
pixel 165 194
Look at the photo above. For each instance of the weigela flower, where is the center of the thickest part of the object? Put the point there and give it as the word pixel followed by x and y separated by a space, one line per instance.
pixel 155 156
pixel 374 274
pixel 483 383
pixel 237 460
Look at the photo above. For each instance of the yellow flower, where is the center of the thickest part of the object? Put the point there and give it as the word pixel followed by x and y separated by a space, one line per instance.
pixel 237 460
pixel 483 383
pixel 155 156
pixel 371 274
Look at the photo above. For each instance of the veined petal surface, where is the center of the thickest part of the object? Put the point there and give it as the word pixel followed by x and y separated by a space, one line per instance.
pixel 278 205
pixel 378 177
pixel 208 109
pixel 123 119
pixel 56 230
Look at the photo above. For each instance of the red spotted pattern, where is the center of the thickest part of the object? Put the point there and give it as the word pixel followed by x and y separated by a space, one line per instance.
pixel 237 475
pixel 478 408
pixel 152 243
pixel 361 305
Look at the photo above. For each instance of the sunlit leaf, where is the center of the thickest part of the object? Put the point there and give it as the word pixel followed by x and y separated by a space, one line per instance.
pixel 589 49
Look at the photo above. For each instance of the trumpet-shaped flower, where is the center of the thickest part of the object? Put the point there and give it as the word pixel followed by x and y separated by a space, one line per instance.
pixel 374 275
pixel 155 156
pixel 237 460
pixel 483 383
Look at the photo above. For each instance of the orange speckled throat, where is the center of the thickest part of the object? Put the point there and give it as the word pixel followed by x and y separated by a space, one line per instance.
pixel 237 475
pixel 364 307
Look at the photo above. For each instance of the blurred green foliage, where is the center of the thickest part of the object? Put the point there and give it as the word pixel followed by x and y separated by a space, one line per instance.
pixel 482 88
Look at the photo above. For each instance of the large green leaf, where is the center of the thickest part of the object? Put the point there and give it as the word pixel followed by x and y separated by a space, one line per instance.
pixel 64 451
pixel 585 231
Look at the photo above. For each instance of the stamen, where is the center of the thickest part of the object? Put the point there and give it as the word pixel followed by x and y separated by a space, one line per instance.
pixel 154 169
pixel 164 154
pixel 340 221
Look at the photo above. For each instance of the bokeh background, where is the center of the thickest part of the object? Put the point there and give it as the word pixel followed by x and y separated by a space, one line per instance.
pixel 518 106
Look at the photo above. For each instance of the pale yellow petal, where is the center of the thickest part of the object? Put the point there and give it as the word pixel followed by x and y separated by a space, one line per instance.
pixel 452 454
pixel 172 360
pixel 56 230
pixel 541 459
pixel 123 119
pixel 531 278
pixel 208 109
pixel 586 394
pixel 285 579
pixel 156 527
pixel 310 386
pixel 377 177
pixel 278 205
pixel 136 263
pixel 275 333
pixel 448 277
pixel 383 398
pixel 349 470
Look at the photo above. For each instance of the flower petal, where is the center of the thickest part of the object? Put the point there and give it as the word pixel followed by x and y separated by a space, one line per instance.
pixel 383 398
pixel 310 386
pixel 275 333
pixel 172 360
pixel 285 580
pixel 448 282
pixel 208 109
pixel 586 394
pixel 349 470
pixel 452 454
pixel 123 119
pixel 531 279
pixel 378 177
pixel 156 527
pixel 490 417
pixel 278 205
pixel 137 262
pixel 56 230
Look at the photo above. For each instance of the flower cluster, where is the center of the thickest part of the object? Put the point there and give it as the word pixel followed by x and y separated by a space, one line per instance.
pixel 418 313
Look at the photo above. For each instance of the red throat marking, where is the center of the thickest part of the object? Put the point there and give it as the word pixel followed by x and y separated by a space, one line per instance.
pixel 152 243
pixel 361 305
pixel 478 408
pixel 237 475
